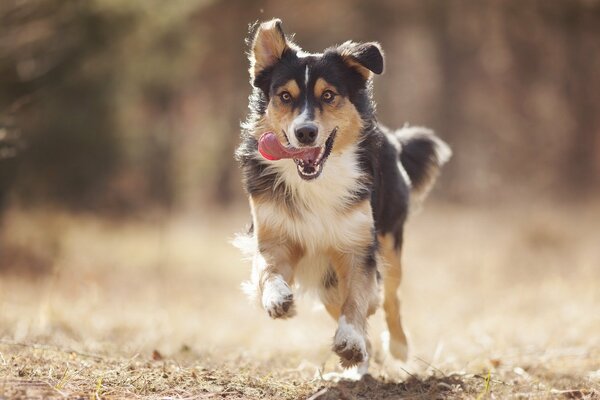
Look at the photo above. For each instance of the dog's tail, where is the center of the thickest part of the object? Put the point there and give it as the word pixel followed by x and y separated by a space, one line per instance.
pixel 422 154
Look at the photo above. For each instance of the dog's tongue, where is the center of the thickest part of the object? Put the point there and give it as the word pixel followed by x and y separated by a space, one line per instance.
pixel 270 148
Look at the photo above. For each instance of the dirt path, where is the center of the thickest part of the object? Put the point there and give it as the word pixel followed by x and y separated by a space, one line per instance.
pixel 499 303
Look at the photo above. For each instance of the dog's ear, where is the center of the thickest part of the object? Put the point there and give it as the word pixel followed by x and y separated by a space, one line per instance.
pixel 366 58
pixel 268 45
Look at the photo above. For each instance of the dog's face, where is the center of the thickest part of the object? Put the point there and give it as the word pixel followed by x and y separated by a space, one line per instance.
pixel 312 100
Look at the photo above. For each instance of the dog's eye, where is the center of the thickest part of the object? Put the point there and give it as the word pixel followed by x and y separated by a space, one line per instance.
pixel 285 97
pixel 328 96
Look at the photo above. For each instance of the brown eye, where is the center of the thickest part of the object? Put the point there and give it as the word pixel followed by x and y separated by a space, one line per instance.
pixel 328 96
pixel 285 97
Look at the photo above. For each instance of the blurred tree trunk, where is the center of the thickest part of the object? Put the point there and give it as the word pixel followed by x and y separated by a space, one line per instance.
pixel 447 120
pixel 53 55
pixel 160 145
pixel 582 87
pixel 226 78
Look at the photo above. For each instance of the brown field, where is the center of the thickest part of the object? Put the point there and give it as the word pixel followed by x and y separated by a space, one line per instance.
pixel 500 302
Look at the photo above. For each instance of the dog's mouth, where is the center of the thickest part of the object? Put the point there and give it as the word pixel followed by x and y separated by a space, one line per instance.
pixel 310 168
pixel 309 160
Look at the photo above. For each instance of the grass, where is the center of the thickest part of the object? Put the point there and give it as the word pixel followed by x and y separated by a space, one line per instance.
pixel 500 304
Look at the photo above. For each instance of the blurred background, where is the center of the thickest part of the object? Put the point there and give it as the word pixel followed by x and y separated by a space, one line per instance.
pixel 118 188
pixel 108 105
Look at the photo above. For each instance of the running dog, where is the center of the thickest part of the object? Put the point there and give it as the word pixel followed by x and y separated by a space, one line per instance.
pixel 329 186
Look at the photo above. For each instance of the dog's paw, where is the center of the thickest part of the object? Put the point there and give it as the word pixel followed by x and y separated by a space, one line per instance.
pixel 354 374
pixel 349 344
pixel 397 347
pixel 278 299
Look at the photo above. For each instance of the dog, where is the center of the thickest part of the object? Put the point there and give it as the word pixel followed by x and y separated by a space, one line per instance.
pixel 329 186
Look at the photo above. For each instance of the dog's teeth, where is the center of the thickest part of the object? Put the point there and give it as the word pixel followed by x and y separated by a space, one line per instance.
pixel 320 156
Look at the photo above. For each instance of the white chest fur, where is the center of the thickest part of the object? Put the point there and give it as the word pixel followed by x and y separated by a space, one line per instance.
pixel 323 216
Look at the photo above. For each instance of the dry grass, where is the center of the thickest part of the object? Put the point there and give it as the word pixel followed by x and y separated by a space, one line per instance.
pixel 500 303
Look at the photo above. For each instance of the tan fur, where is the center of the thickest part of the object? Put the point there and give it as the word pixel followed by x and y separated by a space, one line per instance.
pixel 340 114
pixel 321 85
pixel 279 115
pixel 263 125
pixel 290 86
pixel 268 46
pixel 365 72
pixel 334 309
pixel 357 289
pixel 271 238
pixel 392 277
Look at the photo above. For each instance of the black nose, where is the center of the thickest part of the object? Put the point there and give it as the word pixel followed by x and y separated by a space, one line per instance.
pixel 306 133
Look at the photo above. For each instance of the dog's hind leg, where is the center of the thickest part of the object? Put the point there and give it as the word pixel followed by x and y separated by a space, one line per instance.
pixel 392 277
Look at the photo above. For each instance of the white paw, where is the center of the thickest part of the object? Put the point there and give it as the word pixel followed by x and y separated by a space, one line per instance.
pixel 397 348
pixel 278 299
pixel 349 344
pixel 352 374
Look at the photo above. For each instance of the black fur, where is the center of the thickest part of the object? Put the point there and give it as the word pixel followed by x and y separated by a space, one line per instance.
pixel 390 197
pixel 366 54
pixel 419 158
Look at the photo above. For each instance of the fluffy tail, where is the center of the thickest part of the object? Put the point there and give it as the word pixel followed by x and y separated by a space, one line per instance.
pixel 422 154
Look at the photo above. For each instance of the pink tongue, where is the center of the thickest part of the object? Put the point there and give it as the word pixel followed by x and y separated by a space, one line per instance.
pixel 270 148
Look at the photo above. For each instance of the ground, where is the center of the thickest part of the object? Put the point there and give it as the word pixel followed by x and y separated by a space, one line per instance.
pixel 500 302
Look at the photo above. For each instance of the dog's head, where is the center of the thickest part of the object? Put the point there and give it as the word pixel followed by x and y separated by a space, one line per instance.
pixel 312 100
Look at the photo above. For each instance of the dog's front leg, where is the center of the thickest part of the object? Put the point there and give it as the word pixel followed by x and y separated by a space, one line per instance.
pixel 358 289
pixel 273 263
pixel 273 275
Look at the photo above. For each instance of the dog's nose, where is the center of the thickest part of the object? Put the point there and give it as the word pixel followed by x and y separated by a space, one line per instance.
pixel 306 133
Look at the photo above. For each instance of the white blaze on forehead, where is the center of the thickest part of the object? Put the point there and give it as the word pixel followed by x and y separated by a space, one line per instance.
pixel 304 115
pixel 306 76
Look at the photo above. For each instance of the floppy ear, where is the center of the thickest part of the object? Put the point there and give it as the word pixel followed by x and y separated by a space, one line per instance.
pixel 366 58
pixel 267 47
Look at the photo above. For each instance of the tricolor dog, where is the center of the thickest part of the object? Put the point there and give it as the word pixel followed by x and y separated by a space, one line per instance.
pixel 329 186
